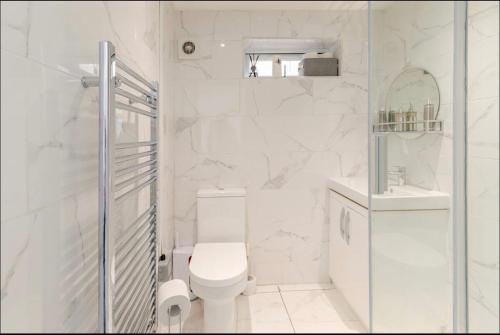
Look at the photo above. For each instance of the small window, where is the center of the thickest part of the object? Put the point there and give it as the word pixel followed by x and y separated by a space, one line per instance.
pixel 259 54
pixel 264 64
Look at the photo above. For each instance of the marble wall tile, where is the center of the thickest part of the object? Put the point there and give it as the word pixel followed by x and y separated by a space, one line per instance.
pixel 14 157
pixel 270 96
pixel 354 57
pixel 280 138
pixel 286 230
pixel 15 27
pixel 197 98
pixel 482 135
pixel 231 25
pixel 341 95
pixel 483 70
pixel 218 59
pixel 266 24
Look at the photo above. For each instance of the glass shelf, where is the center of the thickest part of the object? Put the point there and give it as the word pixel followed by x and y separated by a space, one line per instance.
pixel 412 127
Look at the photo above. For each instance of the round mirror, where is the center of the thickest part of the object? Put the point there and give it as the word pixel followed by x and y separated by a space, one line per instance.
pixel 413 87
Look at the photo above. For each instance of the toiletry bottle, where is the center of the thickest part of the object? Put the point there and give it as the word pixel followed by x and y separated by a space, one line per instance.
pixel 411 119
pixel 429 115
pixel 382 119
pixel 391 119
pixel 399 119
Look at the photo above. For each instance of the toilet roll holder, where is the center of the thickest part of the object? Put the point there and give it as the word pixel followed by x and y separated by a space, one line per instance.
pixel 174 311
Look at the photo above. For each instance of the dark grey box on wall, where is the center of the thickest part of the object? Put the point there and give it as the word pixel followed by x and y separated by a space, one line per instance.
pixel 319 67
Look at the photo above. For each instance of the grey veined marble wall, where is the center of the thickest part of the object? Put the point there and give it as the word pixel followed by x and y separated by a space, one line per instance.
pixel 49 163
pixel 281 138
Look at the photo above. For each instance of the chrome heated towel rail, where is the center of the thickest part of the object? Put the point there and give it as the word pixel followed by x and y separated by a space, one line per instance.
pixel 128 253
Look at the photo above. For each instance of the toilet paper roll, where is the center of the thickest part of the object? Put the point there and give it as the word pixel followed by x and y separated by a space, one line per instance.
pixel 173 293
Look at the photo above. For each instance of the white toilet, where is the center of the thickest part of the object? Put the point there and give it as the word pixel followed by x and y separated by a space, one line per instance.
pixel 218 267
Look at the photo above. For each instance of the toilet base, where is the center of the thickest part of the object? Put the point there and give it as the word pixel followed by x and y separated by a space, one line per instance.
pixel 219 315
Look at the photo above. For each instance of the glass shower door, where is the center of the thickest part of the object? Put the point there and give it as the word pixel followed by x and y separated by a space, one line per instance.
pixel 482 166
pixel 411 161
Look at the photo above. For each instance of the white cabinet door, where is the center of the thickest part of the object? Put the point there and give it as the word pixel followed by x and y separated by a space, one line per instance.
pixel 349 256
pixel 338 246
pixel 357 288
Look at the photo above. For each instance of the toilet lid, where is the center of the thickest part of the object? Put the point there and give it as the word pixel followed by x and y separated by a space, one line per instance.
pixel 218 264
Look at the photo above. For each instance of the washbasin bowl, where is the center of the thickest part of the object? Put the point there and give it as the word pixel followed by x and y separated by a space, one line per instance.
pixel 406 197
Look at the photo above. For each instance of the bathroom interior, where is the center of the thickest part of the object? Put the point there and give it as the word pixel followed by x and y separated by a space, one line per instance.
pixel 250 166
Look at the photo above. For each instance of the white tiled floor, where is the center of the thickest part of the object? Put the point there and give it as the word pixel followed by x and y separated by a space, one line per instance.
pixel 307 308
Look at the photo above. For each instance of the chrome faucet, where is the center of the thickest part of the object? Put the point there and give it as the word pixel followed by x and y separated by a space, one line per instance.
pixel 399 175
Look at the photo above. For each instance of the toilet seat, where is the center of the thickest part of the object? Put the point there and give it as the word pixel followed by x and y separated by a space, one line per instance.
pixel 218 265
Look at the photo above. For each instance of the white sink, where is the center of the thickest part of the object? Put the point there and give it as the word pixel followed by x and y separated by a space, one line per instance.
pixel 405 197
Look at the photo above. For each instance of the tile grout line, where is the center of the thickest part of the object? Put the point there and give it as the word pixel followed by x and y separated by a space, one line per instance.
pixel 286 309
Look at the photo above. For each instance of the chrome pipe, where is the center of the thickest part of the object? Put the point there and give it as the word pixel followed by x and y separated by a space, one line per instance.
pixel 128 260
pixel 130 181
pixel 134 74
pixel 142 278
pixel 121 105
pixel 122 80
pixel 146 321
pixel 144 271
pixel 106 193
pixel 125 244
pixel 134 98
pixel 142 304
pixel 142 236
pixel 129 145
pixel 124 171
pixel 129 230
pixel 147 307
pixel 90 81
pixel 125 158
pixel 154 200
pixel 135 283
pixel 131 274
pixel 126 315
pixel 137 299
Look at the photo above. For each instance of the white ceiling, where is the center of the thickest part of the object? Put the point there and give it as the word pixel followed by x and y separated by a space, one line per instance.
pixel 270 5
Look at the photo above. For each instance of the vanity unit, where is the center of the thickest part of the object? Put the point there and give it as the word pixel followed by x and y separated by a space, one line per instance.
pixel 409 254
pixel 349 261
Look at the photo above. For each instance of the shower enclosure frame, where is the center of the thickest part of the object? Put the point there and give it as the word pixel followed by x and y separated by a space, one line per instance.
pixel 459 210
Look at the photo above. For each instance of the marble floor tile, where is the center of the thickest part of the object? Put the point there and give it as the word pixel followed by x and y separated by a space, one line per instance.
pixel 267 288
pixel 329 327
pixel 261 308
pixel 305 308
pixel 250 326
pixel 317 306
pixel 305 287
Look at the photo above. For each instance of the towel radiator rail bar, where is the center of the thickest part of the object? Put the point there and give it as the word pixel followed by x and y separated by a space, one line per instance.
pixel 126 304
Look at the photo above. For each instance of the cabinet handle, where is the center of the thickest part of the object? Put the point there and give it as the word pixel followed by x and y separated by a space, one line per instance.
pixel 341 224
pixel 348 227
